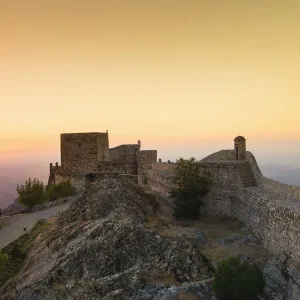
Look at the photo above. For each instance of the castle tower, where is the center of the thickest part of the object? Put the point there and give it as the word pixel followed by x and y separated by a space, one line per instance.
pixel 239 147
pixel 102 146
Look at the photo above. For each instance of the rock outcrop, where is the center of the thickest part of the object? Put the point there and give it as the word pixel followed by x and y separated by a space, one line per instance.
pixel 101 248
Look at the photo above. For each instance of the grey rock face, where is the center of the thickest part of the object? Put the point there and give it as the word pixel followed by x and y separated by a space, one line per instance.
pixel 160 292
pixel 229 240
pixel 102 249
pixel 200 237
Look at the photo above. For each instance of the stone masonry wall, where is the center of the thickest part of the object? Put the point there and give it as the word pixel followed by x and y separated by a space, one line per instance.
pixel 145 159
pixel 118 167
pixel 90 178
pixel 80 151
pixel 225 181
pixel 285 190
pixel 224 177
pixel 124 153
pixel 276 220
pixel 222 155
pixel 78 181
pixel 159 181
pixel 279 188
pixel 102 147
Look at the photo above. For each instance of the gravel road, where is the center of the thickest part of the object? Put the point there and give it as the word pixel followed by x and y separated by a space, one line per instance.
pixel 15 224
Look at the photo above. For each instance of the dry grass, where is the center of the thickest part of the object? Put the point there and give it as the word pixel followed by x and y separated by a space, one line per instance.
pixel 18 250
pixel 157 277
pixel 214 228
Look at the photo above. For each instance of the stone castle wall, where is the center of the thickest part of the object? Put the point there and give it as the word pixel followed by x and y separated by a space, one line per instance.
pixel 274 218
pixel 273 186
pixel 78 181
pixel 285 190
pixel 159 181
pixel 118 167
pixel 145 159
pixel 224 177
pixel 225 182
pixel 89 153
pixel 124 153
pixel 80 152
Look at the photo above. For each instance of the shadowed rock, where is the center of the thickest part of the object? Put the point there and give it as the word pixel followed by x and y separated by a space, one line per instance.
pixel 101 249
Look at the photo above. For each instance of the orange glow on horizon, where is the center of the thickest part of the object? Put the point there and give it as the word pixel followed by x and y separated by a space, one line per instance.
pixel 165 72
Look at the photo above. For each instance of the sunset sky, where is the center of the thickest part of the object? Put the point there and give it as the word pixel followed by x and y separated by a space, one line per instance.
pixel 185 76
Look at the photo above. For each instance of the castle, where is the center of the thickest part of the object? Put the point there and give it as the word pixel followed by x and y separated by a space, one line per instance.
pixel 87 156
pixel 239 190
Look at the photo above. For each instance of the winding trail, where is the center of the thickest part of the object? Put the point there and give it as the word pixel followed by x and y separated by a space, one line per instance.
pixel 16 224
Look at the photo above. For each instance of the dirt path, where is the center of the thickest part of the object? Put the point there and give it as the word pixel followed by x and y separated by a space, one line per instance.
pixel 13 226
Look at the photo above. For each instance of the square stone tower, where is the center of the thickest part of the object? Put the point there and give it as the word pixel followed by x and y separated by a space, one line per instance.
pixel 80 152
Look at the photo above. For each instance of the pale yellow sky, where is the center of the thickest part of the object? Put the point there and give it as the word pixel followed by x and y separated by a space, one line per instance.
pixel 150 70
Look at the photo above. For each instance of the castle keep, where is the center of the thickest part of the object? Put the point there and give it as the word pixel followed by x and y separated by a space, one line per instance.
pixel 86 156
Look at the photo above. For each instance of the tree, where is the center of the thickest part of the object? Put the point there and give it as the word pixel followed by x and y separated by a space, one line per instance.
pixel 189 188
pixel 31 192
pixel 235 280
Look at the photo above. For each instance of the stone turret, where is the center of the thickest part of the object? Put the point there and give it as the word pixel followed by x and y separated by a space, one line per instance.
pixel 239 147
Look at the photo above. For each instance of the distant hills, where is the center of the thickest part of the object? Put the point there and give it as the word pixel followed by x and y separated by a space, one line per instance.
pixel 7 190
pixel 284 173
pixel 10 176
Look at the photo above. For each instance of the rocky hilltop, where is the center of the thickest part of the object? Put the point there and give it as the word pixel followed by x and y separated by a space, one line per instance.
pixel 102 248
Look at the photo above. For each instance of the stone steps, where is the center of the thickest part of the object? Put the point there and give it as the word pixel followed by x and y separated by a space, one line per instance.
pixel 246 174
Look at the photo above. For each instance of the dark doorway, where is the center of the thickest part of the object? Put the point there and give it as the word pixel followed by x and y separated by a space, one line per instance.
pixel 236 152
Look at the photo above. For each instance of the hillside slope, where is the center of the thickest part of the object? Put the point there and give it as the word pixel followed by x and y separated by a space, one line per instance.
pixel 101 248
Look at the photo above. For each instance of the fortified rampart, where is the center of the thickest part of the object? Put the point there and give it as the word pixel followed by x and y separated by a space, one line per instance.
pixel 240 190
pixel 270 208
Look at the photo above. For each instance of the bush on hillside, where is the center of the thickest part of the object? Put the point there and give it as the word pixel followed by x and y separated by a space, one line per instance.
pixel 3 259
pixel 189 189
pixel 236 280
pixel 32 192
pixel 60 190
pixel 13 255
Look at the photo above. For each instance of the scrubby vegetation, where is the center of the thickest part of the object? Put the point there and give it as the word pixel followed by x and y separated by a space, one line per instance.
pixel 3 260
pixel 60 190
pixel 236 280
pixel 189 189
pixel 13 255
pixel 34 192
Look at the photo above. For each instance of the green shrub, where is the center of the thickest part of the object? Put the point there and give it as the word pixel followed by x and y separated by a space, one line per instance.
pixel 3 259
pixel 189 189
pixel 236 280
pixel 31 192
pixel 60 190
